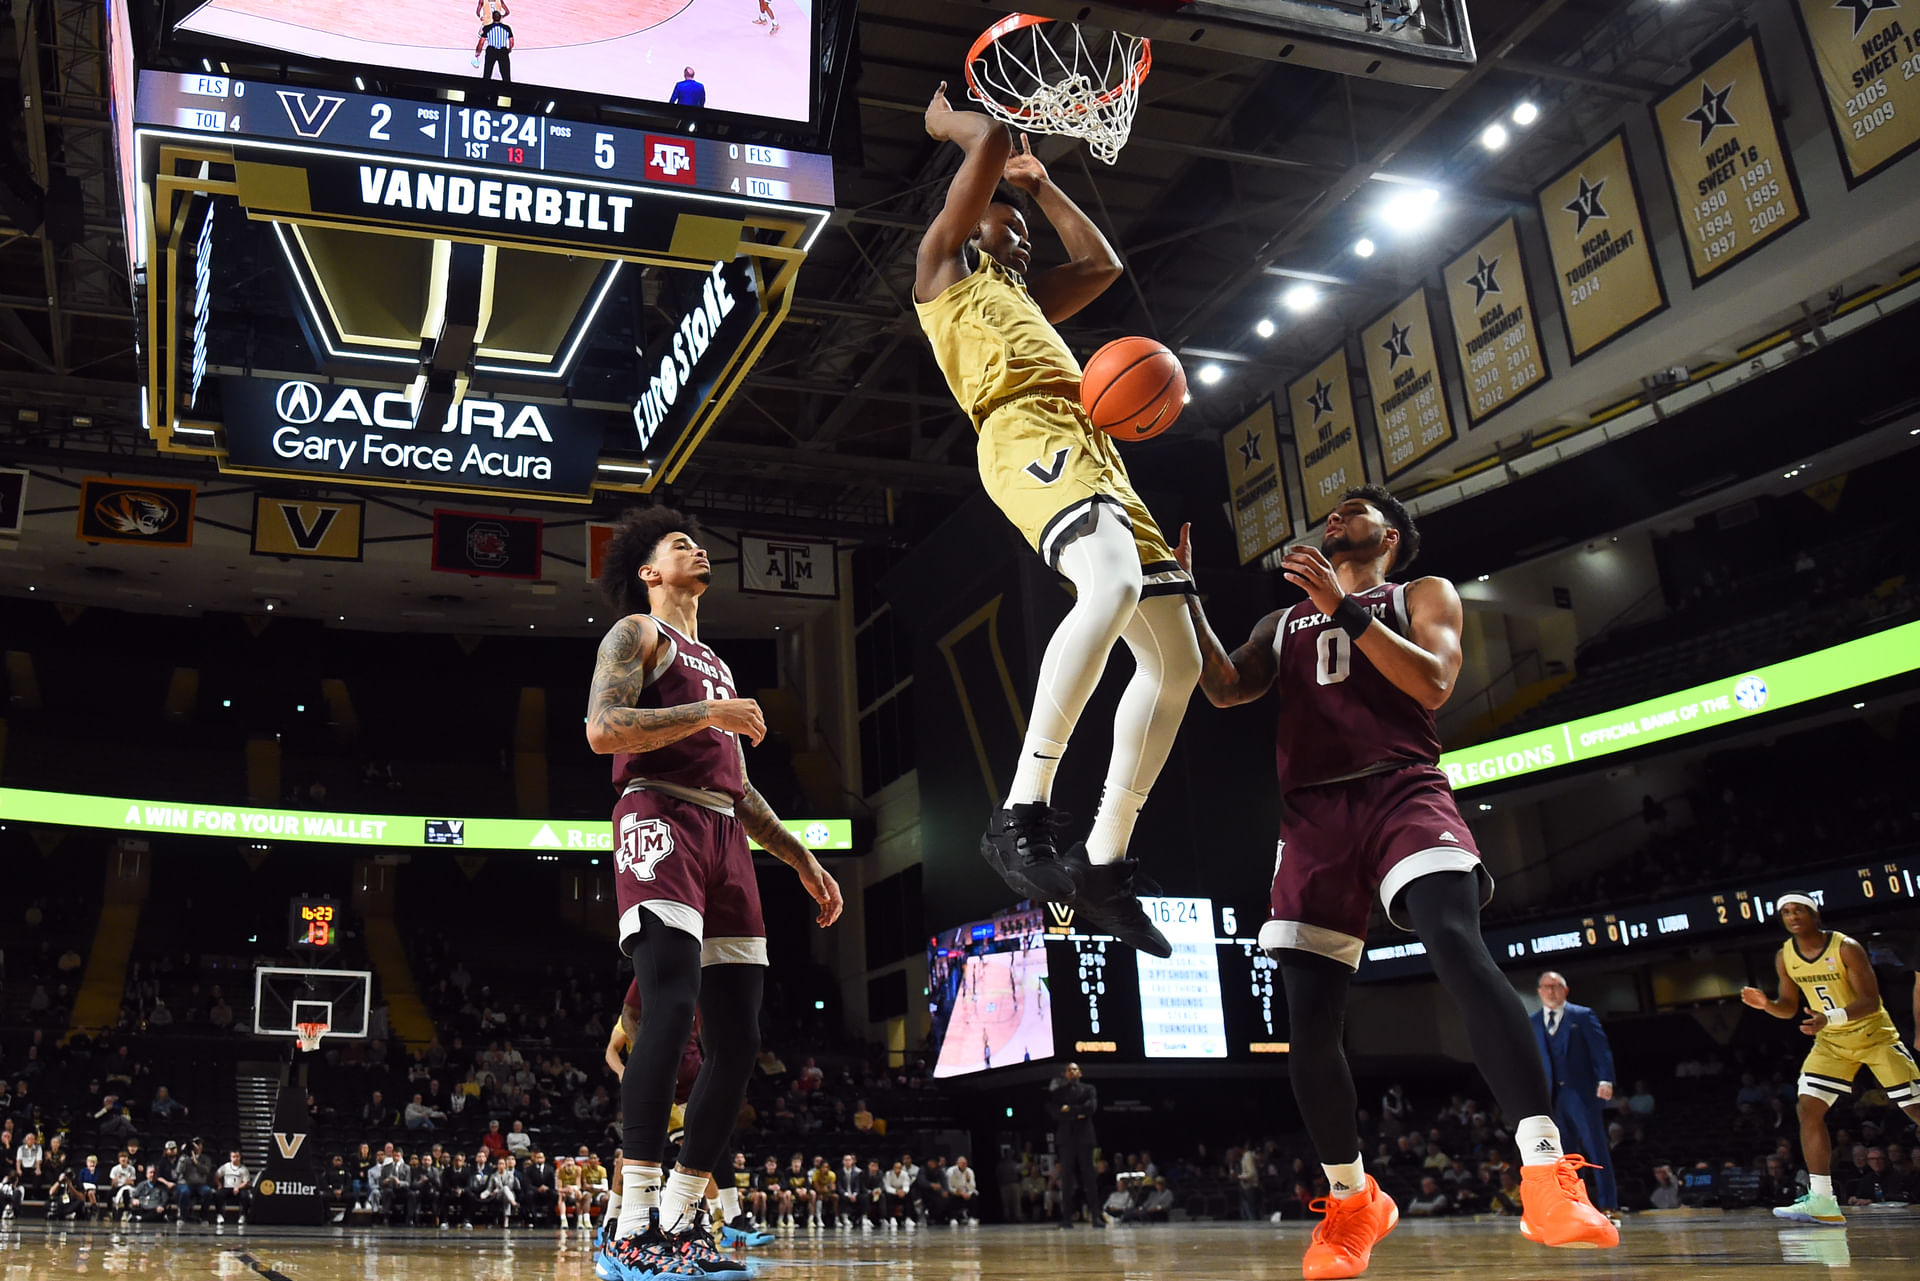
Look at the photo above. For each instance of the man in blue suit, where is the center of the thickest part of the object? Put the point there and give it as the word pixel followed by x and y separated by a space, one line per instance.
pixel 1580 1068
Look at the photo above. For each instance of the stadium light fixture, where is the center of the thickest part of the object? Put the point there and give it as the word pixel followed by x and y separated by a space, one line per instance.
pixel 1411 208
pixel 1494 136
pixel 1264 328
pixel 1525 113
pixel 1484 577
pixel 1363 248
pixel 1300 299
pixel 1211 374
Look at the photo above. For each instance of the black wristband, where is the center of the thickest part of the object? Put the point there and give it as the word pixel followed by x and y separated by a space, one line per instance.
pixel 1352 617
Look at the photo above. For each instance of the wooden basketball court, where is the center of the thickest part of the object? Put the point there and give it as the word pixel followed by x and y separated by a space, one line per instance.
pixel 1876 1246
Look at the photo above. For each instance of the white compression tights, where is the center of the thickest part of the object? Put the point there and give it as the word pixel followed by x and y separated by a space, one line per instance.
pixel 1166 668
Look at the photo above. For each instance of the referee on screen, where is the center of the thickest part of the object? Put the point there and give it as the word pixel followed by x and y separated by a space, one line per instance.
pixel 496 41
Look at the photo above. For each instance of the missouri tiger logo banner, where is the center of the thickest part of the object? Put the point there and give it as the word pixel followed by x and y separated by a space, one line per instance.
pixel 308 529
pixel 156 513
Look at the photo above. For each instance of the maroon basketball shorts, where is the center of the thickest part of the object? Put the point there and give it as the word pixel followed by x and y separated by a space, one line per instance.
pixel 689 866
pixel 1343 843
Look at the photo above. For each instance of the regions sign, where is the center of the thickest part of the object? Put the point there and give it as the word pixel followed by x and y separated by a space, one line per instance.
pixel 1603 264
pixel 1496 333
pixel 344 432
pixel 1326 435
pixel 1868 60
pixel 1403 374
pixel 1733 181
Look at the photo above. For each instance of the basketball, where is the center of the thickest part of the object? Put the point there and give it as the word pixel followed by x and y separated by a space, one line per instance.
pixel 1133 388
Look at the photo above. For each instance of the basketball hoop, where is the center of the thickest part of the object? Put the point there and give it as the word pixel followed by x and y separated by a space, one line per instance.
pixel 309 1035
pixel 1046 77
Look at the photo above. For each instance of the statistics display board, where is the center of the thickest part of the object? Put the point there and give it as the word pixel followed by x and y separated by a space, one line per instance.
pixel 690 53
pixel 1892 880
pixel 1326 435
pixel 1867 56
pixel 1603 265
pixel 1496 332
pixel 1733 180
pixel 1403 375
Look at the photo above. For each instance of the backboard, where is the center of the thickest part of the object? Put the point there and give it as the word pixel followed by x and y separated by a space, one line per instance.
pixel 284 996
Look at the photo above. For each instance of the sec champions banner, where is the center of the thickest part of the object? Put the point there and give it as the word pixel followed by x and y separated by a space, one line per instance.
pixel 1256 492
pixel 1603 266
pixel 1864 52
pixel 1325 434
pixel 1495 331
pixel 1733 182
pixel 1403 374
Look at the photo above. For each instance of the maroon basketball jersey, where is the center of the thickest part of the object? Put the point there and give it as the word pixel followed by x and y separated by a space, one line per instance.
pixel 708 760
pixel 1339 716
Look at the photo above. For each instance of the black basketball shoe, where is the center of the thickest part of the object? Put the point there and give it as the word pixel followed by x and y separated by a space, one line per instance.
pixel 1106 900
pixel 1021 845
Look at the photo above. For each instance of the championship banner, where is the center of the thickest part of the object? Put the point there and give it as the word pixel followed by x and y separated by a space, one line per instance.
pixel 1733 181
pixel 1865 57
pixel 485 545
pixel 13 499
pixel 1403 374
pixel 1256 492
pixel 1603 265
pixel 788 567
pixel 1495 332
pixel 599 534
pixel 1325 435
pixel 149 512
pixel 310 530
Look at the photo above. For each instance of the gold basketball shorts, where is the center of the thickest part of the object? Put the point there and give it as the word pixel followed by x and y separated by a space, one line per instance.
pixel 1829 1070
pixel 1053 475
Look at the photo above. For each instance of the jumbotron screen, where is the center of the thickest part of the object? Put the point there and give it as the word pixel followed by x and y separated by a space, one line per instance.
pixel 724 55
pixel 989 994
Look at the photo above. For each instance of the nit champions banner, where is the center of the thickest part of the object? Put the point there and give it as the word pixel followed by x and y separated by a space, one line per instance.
pixel 1603 265
pixel 1403 374
pixel 1496 332
pixel 1326 435
pixel 1256 491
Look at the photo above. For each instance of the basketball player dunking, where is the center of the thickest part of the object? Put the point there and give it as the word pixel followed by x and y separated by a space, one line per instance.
pixel 1359 668
pixel 1850 1028
pixel 1063 486
pixel 663 706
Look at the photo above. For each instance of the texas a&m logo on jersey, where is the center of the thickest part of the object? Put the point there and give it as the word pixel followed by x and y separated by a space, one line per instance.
pixel 670 160
pixel 643 843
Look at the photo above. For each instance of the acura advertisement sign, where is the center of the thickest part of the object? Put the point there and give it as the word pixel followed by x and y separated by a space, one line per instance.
pixel 342 431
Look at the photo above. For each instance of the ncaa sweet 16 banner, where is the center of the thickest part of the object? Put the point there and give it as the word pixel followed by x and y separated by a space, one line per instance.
pixel 1495 331
pixel 1733 181
pixel 1603 265
pixel 1867 54
pixel 1325 434
pixel 1403 374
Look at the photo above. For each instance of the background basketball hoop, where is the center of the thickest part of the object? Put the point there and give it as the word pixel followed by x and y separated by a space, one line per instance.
pixel 309 1035
pixel 1043 76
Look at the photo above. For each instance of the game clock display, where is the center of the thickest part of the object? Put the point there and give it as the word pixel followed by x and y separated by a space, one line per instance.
pixel 313 924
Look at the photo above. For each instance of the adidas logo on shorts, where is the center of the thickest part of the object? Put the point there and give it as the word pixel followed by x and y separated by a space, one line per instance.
pixel 1449 836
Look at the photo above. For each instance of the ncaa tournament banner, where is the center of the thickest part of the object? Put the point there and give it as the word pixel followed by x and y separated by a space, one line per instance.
pixel 1603 266
pixel 13 499
pixel 1733 182
pixel 1256 492
pixel 1326 435
pixel 1865 55
pixel 306 529
pixel 788 567
pixel 1496 332
pixel 1403 374
pixel 149 512
pixel 486 545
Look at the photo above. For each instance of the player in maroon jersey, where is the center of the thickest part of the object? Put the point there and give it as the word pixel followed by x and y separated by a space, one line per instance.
pixel 664 706
pixel 1359 668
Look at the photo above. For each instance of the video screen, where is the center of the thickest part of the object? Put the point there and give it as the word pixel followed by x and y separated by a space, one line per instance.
pixel 991 1002
pixel 746 56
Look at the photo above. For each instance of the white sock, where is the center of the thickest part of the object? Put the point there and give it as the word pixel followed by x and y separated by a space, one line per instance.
pixel 1538 1139
pixel 1033 779
pixel 1113 825
pixel 1820 1184
pixel 729 1205
pixel 1346 1180
pixel 678 1200
pixel 640 1196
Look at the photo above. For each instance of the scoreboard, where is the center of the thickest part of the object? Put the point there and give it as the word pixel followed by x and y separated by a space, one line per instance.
pixel 313 924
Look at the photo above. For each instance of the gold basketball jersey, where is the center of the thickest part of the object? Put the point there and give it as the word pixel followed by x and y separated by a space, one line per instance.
pixel 993 342
pixel 1823 981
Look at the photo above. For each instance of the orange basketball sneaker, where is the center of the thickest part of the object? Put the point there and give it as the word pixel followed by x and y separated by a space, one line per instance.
pixel 1344 1240
pixel 1556 1210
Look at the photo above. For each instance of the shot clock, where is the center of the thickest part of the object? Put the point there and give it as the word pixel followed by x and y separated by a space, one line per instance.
pixel 313 924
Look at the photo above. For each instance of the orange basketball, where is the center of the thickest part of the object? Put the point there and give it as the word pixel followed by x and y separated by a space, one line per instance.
pixel 1133 388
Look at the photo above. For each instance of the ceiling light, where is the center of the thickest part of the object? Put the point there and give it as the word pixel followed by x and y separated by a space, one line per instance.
pixel 1484 807
pixel 1363 248
pixel 1494 136
pixel 1525 113
pixel 1485 577
pixel 1299 299
pixel 299 707
pixel 1410 208
pixel 1264 328
pixel 1858 706
pixel 359 84
pixel 1211 374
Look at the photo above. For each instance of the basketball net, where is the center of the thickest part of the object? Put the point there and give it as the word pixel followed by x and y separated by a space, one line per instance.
pixel 309 1035
pixel 1042 76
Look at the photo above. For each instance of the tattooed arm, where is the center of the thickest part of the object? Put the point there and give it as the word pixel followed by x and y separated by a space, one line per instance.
pixel 1248 672
pixel 614 724
pixel 764 826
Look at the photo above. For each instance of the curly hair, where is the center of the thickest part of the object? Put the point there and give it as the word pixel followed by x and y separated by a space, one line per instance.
pixel 635 536
pixel 1397 515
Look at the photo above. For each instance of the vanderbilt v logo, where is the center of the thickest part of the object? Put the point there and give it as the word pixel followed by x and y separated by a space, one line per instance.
pixel 309 116
pixel 288 527
pixel 308 537
pixel 1059 918
pixel 1046 475
pixel 289 1144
